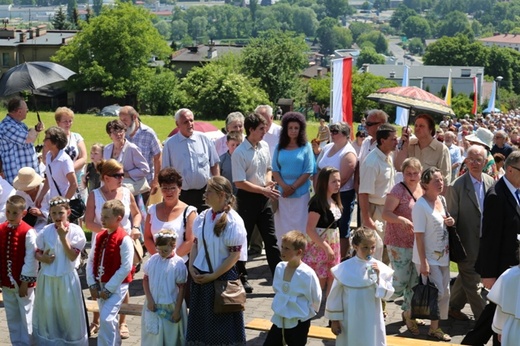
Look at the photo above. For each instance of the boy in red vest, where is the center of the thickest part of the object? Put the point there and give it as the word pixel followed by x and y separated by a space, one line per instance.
pixel 18 270
pixel 109 270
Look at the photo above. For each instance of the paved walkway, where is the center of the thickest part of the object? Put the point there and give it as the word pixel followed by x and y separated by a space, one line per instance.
pixel 259 306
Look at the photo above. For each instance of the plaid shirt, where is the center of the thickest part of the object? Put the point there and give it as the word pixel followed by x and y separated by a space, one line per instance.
pixel 14 150
pixel 147 141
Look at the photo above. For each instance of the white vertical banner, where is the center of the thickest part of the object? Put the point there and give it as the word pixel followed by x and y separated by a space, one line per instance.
pixel 491 104
pixel 337 95
pixel 402 114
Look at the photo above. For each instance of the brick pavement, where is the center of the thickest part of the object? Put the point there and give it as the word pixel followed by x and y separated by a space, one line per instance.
pixel 259 306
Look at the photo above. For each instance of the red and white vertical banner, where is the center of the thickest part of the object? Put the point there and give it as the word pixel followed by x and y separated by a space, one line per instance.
pixel 342 91
pixel 475 97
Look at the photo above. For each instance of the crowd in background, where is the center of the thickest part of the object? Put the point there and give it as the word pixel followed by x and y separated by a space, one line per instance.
pixel 274 181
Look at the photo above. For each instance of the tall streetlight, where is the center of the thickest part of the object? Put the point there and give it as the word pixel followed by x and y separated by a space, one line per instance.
pixel 498 80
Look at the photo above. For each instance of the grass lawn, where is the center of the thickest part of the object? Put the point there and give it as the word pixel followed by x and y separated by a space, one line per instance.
pixel 92 127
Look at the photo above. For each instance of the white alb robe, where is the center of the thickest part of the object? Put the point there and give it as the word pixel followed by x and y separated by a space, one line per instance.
pixel 355 301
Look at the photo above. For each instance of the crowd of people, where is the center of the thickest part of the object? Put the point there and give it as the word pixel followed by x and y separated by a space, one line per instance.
pixel 299 196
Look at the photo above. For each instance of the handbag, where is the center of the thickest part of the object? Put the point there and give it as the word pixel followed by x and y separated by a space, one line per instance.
pixel 77 206
pixel 136 187
pixel 275 204
pixel 230 295
pixel 424 300
pixel 456 248
pixel 29 218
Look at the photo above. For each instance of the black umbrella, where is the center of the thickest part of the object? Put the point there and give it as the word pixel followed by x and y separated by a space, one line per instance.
pixel 32 76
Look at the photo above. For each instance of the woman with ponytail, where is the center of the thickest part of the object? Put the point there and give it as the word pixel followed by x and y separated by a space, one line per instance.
pixel 220 238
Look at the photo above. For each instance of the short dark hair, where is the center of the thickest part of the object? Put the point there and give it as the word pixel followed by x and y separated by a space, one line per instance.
pixel 14 104
pixel 429 120
pixel 169 175
pixel 293 117
pixel 115 125
pixel 57 136
pixel 252 121
pixel 384 131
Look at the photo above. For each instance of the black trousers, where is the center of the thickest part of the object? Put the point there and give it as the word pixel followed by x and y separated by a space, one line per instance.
pixel 482 331
pixel 296 336
pixel 195 198
pixel 255 209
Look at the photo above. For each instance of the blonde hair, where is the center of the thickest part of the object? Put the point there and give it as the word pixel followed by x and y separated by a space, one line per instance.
pixel 61 111
pixel 220 184
pixel 296 239
pixel 17 201
pixel 99 146
pixel 117 207
pixel 362 234
pixel 165 237
pixel 107 167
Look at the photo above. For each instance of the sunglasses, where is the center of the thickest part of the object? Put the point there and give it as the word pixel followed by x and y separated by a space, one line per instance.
pixel 368 123
pixel 117 175
pixel 334 132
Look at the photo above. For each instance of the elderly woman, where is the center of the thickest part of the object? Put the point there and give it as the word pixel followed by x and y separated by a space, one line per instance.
pixel 399 235
pixel 341 155
pixel 234 122
pixel 75 148
pixel 61 178
pixel 128 154
pixel 431 245
pixel 112 174
pixel 425 147
pixel 293 164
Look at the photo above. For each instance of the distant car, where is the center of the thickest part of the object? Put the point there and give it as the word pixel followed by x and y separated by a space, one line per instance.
pixel 110 111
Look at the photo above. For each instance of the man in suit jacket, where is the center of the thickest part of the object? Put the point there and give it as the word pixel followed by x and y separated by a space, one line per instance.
pixel 498 245
pixel 465 199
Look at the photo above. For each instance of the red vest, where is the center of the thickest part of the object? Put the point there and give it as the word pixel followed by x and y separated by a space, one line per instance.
pixel 12 247
pixel 111 243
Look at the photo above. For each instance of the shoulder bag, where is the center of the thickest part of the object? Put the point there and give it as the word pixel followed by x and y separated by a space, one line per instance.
pixel 230 295
pixel 77 206
pixel 456 248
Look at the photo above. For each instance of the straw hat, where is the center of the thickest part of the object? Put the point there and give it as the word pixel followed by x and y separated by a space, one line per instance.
pixel 27 179
pixel 483 137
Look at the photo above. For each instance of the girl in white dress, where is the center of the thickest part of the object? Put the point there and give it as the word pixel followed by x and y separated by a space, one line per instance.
pixel 354 303
pixel 164 316
pixel 59 313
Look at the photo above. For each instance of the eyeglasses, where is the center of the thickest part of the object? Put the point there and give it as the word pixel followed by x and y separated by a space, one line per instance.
pixel 334 132
pixel 479 161
pixel 368 123
pixel 117 175
pixel 518 169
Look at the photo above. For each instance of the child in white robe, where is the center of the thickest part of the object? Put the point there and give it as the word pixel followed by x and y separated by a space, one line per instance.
pixel 164 317
pixel 505 293
pixel 354 303
pixel 59 313
pixel 297 294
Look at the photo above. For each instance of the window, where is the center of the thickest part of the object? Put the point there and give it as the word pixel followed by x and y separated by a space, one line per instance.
pixel 6 59
pixel 465 72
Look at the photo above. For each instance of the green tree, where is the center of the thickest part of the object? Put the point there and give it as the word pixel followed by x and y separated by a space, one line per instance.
pixel 164 29
pixel 161 94
pixel 336 8
pixel 96 6
pixel 217 89
pixel 364 84
pixel 376 38
pixel 112 52
pixel 416 46
pixel 456 51
pixel 276 58
pixel 59 22
pixel 461 104
pixel 358 28
pixel 179 29
pixel 89 14
pixel 417 26
pixel 319 90
pixel 454 23
pixel 400 15
pixel 369 56
pixel 332 36
pixel 71 5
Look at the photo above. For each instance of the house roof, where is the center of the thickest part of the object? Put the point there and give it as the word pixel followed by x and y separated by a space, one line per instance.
pixel 419 71
pixel 185 55
pixel 50 38
pixel 502 38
